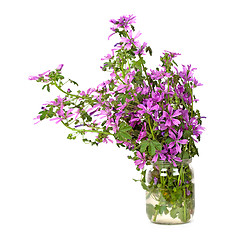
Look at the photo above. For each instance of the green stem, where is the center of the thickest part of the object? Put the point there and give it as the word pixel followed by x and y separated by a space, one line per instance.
pixel 181 174
pixel 168 90
pixel 149 123
pixel 155 216
pixel 184 206
pixel 84 130
pixel 73 95
pixel 70 94
pixel 192 103
pixel 145 72
pixel 119 77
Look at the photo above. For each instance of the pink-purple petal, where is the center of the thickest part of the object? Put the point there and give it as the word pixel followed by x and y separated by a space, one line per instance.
pixel 176 113
pixel 171 144
pixel 180 133
pixel 168 123
pixel 155 158
pixel 172 135
pixel 183 141
pixel 165 114
pixel 139 154
pixel 178 148
pixel 176 122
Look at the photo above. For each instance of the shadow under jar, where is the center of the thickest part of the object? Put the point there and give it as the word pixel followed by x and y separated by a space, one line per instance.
pixel 170 195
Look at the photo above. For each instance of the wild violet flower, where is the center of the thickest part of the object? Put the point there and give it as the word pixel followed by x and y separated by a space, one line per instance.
pixel 172 158
pixel 43 77
pixel 170 116
pixel 141 49
pixel 177 140
pixel 131 40
pixel 148 108
pixel 60 66
pixel 122 88
pixel 159 155
pixel 140 162
pixel 143 133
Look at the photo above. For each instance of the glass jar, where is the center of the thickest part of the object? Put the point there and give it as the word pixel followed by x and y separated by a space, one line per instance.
pixel 170 193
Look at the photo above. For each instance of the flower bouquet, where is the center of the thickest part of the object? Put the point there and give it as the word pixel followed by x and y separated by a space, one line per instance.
pixel 149 112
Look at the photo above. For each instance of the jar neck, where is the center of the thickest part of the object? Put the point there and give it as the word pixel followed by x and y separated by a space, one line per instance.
pixel 166 163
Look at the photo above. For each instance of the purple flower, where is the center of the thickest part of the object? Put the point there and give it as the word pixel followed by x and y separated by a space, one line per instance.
pixel 122 88
pixel 171 54
pixel 131 41
pixel 161 154
pixel 45 76
pixel 107 140
pixel 109 56
pixel 155 180
pixel 124 21
pixel 180 91
pixel 60 112
pixel 79 125
pixel 149 108
pixel 33 78
pixel 143 133
pixel 60 66
pixel 187 73
pixel 196 83
pixel 188 192
pixel 140 162
pixel 63 115
pixel 176 140
pixel 157 97
pixel 140 51
pixel 172 157
pixel 170 117
pixel 197 128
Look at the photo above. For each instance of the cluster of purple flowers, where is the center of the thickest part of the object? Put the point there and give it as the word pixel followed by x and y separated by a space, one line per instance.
pixel 148 112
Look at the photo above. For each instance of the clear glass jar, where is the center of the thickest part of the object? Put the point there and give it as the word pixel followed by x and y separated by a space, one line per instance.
pixel 170 195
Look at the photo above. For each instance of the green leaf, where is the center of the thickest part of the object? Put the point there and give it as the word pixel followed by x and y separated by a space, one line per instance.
pixel 121 98
pixel 144 186
pixel 128 96
pixel 185 155
pixel 126 135
pixel 124 127
pixel 148 195
pixel 168 140
pixel 181 214
pixel 43 115
pixel 123 136
pixel 75 83
pixel 144 145
pixel 187 134
pixel 174 212
pixel 151 149
pixel 135 180
pixel 50 113
pixel 163 209
pixel 148 49
pixel 174 63
pixel 157 145
pixel 150 210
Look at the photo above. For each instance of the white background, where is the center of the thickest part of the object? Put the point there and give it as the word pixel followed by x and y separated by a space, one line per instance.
pixel 53 188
